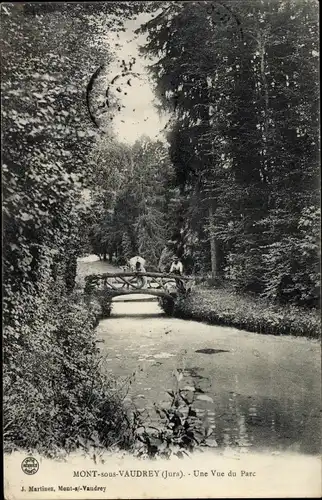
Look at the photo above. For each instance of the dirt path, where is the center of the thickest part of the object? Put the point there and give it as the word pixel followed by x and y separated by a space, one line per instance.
pixel 258 391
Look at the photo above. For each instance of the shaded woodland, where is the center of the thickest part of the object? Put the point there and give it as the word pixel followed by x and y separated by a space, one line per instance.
pixel 233 190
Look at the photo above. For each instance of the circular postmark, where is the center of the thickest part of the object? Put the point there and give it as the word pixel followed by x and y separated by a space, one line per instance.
pixel 30 466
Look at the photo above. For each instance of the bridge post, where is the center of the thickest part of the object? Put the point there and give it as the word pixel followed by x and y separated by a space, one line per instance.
pixel 102 295
pixel 167 305
pixel 106 304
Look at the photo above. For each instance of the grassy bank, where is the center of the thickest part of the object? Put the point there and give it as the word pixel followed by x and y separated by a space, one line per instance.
pixel 221 306
pixel 56 396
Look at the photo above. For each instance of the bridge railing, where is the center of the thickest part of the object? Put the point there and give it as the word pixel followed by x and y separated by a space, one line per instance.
pixel 149 274
pixel 134 281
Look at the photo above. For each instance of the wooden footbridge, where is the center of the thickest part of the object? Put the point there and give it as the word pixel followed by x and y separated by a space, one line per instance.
pixel 166 287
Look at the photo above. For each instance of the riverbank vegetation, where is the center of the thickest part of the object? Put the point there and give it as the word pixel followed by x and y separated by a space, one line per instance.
pixel 224 306
pixel 56 396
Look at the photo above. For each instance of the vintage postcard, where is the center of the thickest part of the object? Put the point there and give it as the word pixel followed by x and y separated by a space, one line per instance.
pixel 161 249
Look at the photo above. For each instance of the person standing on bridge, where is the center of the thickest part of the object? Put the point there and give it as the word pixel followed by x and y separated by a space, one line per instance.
pixel 138 266
pixel 176 266
pixel 134 260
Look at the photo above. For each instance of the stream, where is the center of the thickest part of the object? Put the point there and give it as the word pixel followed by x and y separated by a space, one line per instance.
pixel 256 391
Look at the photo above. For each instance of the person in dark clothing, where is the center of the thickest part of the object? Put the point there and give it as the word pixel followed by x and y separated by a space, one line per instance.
pixel 139 268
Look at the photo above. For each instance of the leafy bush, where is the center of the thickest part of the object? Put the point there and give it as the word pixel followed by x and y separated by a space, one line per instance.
pixel 55 393
pixel 180 430
pixel 281 264
pixel 167 305
pixel 227 307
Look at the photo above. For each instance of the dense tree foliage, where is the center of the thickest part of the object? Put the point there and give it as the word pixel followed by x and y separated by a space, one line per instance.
pixel 241 81
pixel 46 142
pixel 49 52
pixel 130 199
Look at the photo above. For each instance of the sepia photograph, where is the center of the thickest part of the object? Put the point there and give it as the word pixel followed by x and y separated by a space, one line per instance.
pixel 161 210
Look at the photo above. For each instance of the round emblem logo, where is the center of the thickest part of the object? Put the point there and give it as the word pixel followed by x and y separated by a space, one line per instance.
pixel 30 465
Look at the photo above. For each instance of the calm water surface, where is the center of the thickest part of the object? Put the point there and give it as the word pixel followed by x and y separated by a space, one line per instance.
pixel 258 392
pixel 262 392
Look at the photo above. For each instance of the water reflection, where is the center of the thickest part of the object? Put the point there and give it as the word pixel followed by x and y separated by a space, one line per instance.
pixel 243 422
pixel 250 423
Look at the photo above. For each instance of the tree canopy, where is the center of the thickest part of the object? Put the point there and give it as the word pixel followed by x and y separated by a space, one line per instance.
pixel 241 81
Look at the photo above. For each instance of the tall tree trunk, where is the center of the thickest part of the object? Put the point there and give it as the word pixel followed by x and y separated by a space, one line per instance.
pixel 262 49
pixel 213 244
